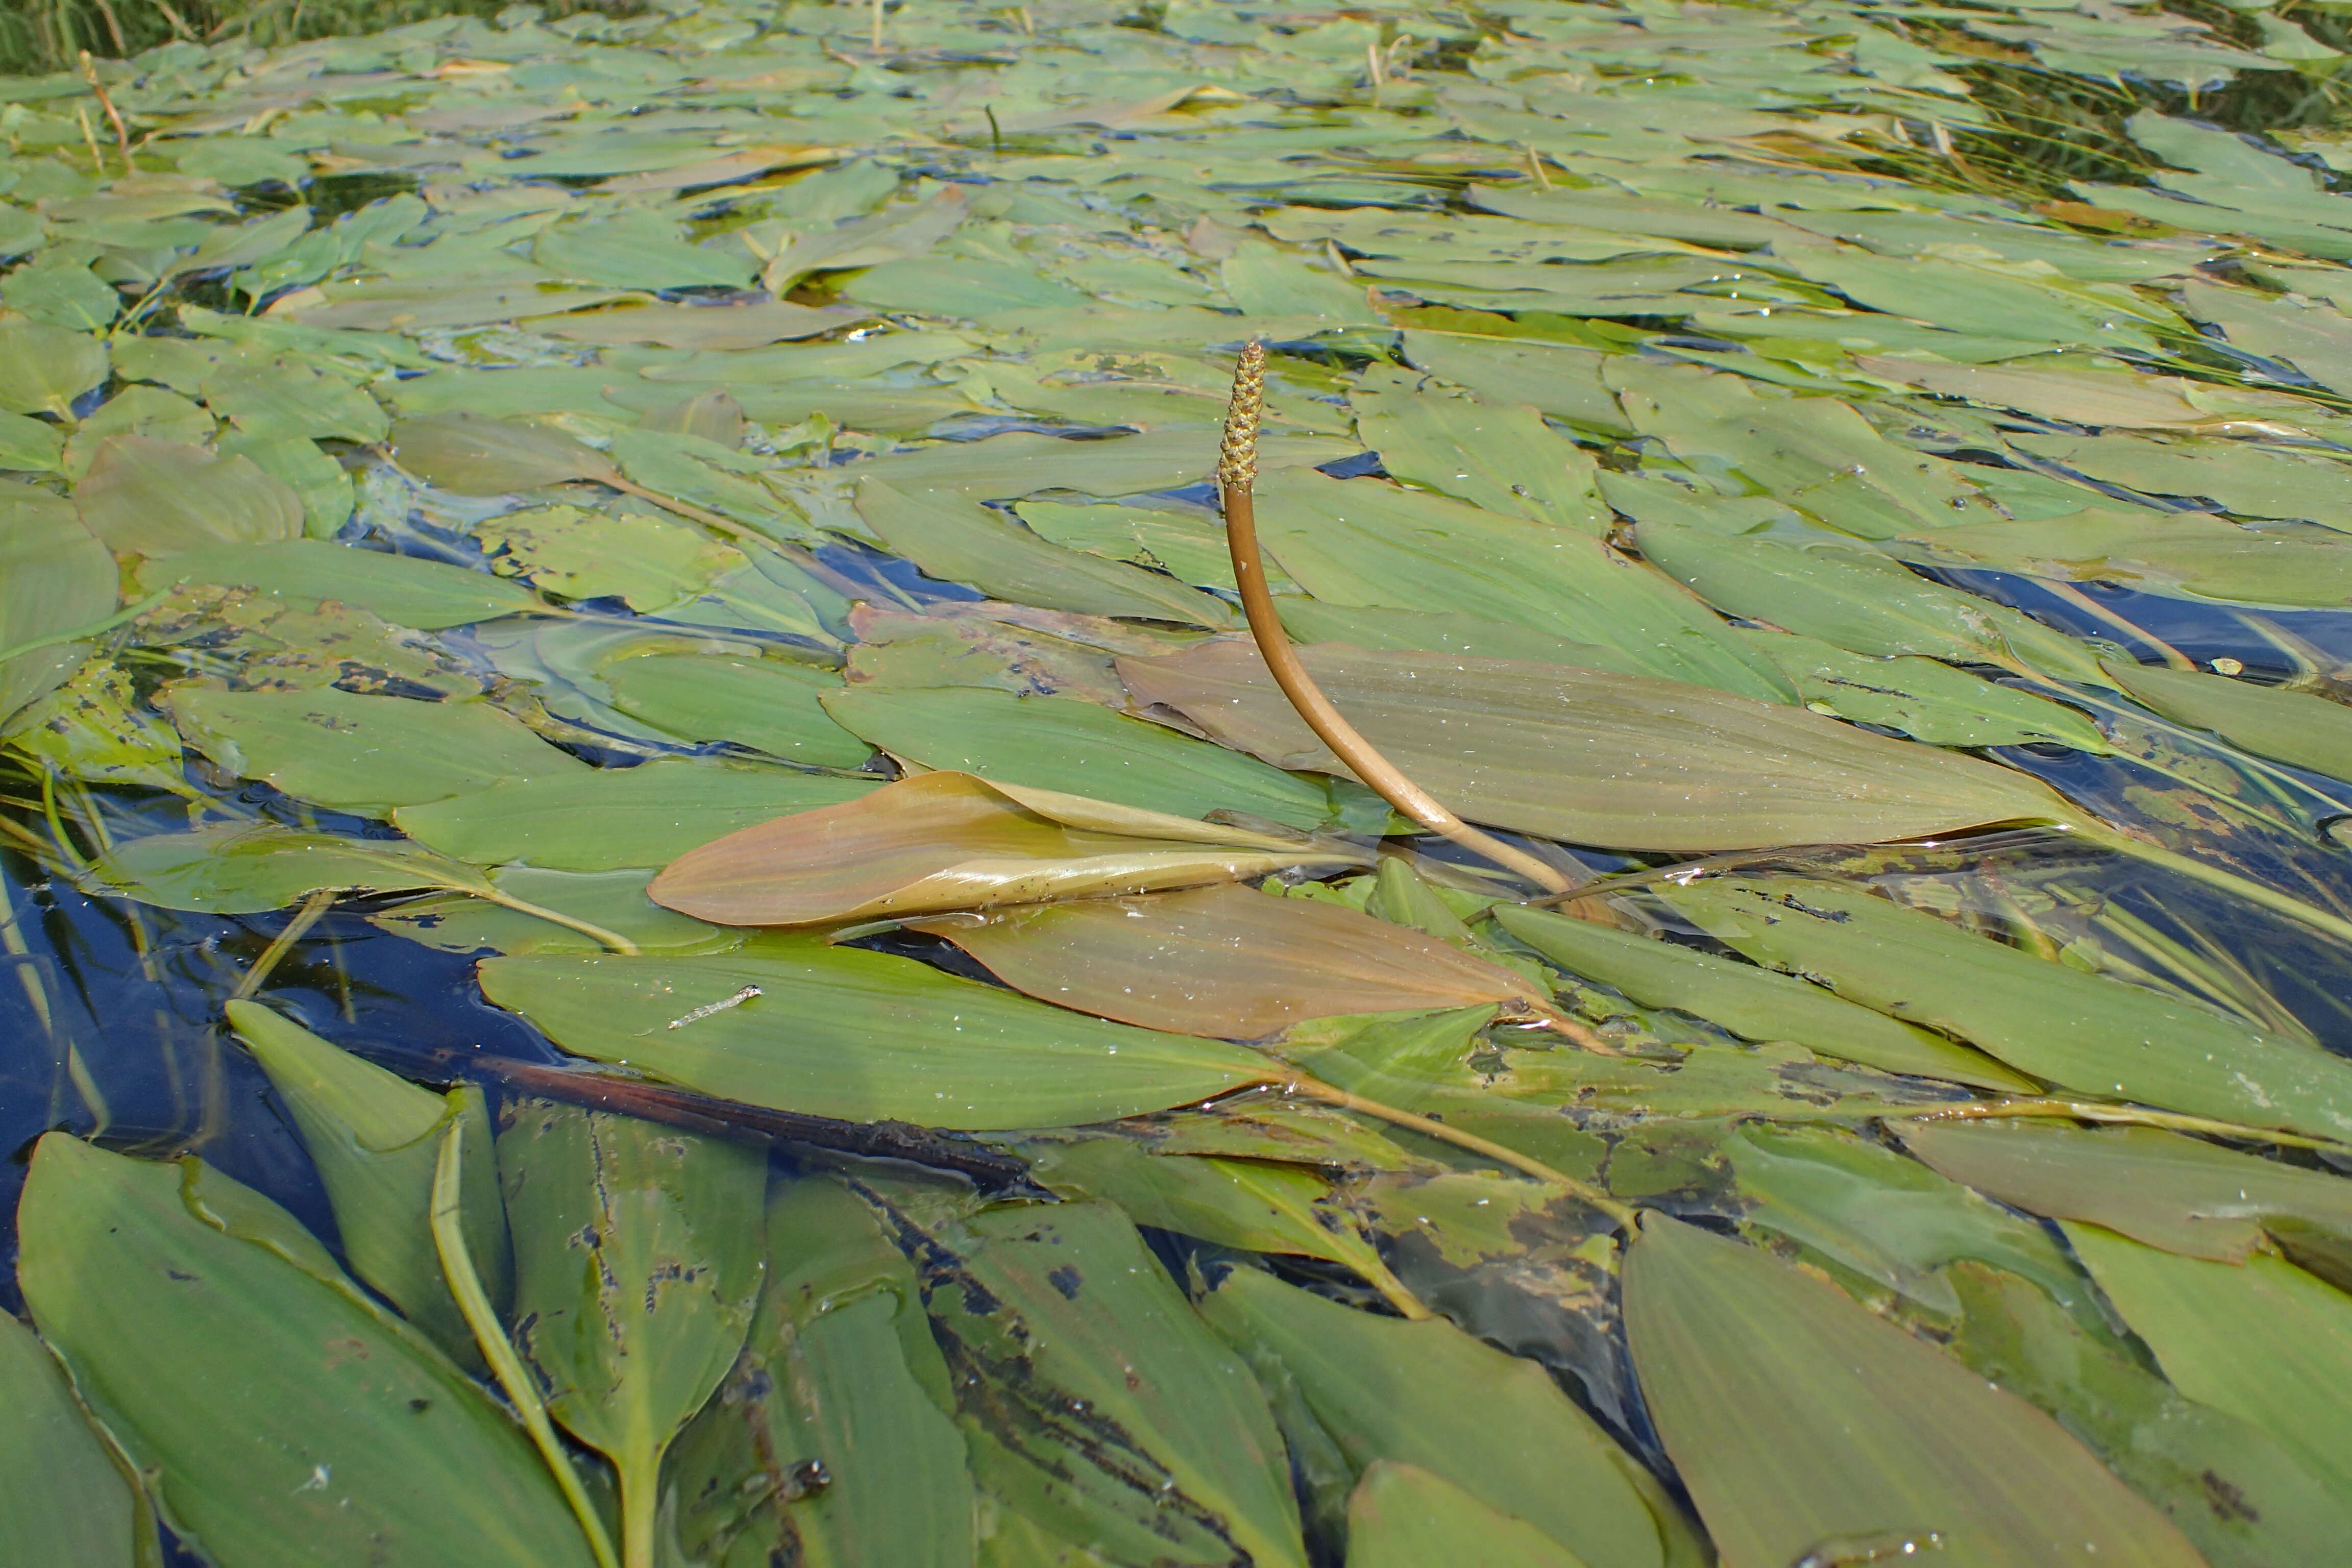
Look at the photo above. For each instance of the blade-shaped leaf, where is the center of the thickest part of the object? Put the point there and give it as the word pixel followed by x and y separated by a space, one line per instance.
pixel 1753 1002
pixel 2291 726
pixel 1401 1516
pixel 54 578
pixel 638 1257
pixel 2080 1031
pixel 1226 961
pixel 147 497
pixel 234 868
pixel 1805 1424
pixel 1615 760
pixel 1430 1395
pixel 63 1499
pixel 374 1138
pixel 284 1416
pixel 475 456
pixel 404 590
pixel 952 841
pixel 842 1033
pixel 770 705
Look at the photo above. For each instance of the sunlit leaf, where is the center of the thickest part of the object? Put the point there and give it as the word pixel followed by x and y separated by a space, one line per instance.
pixel 480 456
pixel 374 1138
pixel 64 1499
pixel 1805 1425
pixel 1401 1516
pixel 1226 961
pixel 1595 758
pixel 282 1415
pixel 44 369
pixel 1428 1395
pixel 951 841
pixel 54 578
pixel 2080 1031
pixel 2292 726
pixel 767 705
pixel 870 1038
pixel 243 868
pixel 404 590
pixel 637 1262
pixel 147 497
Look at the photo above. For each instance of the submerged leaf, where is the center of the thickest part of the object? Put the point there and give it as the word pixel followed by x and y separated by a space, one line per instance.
pixel 1594 758
pixel 1226 961
pixel 1806 1425
pixel 2294 727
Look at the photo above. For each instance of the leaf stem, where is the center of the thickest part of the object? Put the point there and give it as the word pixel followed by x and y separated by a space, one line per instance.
pixel 1236 472
pixel 2277 900
pixel 474 1304
pixel 1306 1087
pixel 2097 1110
pixel 298 927
pixel 610 939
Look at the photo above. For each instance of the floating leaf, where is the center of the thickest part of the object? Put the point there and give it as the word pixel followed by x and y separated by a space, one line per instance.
pixel 2179 1193
pixel 364 754
pixel 1226 961
pixel 951 841
pixel 1800 1421
pixel 374 1138
pixel 2260 1340
pixel 2291 726
pixel 1073 747
pixel 158 498
pixel 404 590
pixel 1401 1516
pixel 1595 758
pixel 701 326
pixel 605 818
pixel 2080 1031
pixel 1428 1395
pixel 637 1262
pixel 479 456
pixel 1929 701
pixel 47 369
pixel 2180 553
pixel 54 579
pixel 1107 1397
pixel 1754 1003
pixel 235 868
pixel 65 1500
pixel 767 705
pixel 281 1413
pixel 959 540
pixel 870 1038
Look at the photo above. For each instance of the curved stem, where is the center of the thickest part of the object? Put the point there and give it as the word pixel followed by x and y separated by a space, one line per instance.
pixel 1237 471
pixel 297 928
pixel 1306 1087
pixel 474 1303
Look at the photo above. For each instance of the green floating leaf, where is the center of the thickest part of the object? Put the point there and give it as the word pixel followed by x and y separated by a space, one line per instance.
pixel 1360 541
pixel 590 908
pixel 1226 961
pixel 1428 1395
pixel 1101 1404
pixel 1075 747
pixel 291 400
pixel 637 249
pixel 1888 1218
pixel 1753 1002
pixel 63 1498
pixel 2261 1340
pixel 235 868
pixel 147 497
pixel 54 579
pixel 30 444
pixel 767 705
pixel 2080 1031
pixel 957 540
pixel 46 368
pixel 603 819
pixel 840 1370
pixel 1401 1516
pixel 1502 457
pixel 62 294
pixel 871 1039
pixel 1806 1425
pixel 284 1417
pixel 1927 701
pixel 2181 553
pixel 1563 381
pixel 475 456
pixel 1860 601
pixel 637 1264
pixel 374 1138
pixel 2182 1194
pixel 2292 726
pixel 1595 758
pixel 404 590
pixel 2234 1491
pixel 362 753
pixel 650 564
